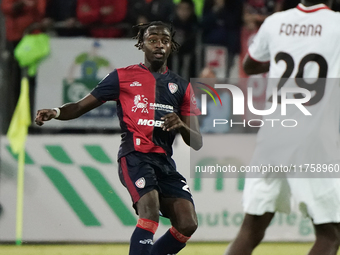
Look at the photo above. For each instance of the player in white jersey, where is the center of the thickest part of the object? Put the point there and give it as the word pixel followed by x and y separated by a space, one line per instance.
pixel 300 48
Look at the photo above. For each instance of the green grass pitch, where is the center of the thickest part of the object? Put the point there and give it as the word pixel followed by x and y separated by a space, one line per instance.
pixel 122 249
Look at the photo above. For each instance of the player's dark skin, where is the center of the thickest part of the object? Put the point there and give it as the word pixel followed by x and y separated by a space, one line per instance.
pixel 254 226
pixel 157 48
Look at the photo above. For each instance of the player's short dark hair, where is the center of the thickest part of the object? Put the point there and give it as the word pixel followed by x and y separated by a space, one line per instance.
pixel 143 27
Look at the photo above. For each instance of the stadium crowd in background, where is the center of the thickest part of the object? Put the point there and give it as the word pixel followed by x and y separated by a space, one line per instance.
pixel 21 17
pixel 102 17
pixel 221 26
pixel 224 23
pixel 62 17
pixel 186 25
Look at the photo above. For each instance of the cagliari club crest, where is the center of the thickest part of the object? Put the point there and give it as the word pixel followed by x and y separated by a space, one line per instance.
pixel 140 183
pixel 173 87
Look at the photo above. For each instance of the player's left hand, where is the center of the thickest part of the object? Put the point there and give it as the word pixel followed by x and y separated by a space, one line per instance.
pixel 172 121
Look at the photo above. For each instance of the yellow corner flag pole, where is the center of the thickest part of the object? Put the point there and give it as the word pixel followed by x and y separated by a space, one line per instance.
pixel 17 133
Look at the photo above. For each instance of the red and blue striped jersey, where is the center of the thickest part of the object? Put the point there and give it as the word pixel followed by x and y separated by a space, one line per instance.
pixel 142 99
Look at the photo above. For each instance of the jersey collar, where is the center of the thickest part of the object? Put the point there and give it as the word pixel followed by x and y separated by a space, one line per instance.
pixel 144 67
pixel 313 8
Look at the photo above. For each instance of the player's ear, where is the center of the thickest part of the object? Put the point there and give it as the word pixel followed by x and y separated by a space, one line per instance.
pixel 142 46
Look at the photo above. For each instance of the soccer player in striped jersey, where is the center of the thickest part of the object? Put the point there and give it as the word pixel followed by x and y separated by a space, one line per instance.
pixel 153 105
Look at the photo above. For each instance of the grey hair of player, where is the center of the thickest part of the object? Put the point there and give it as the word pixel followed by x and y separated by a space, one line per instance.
pixel 314 2
pixel 142 28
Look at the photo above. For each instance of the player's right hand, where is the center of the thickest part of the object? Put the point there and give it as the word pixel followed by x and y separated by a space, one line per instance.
pixel 44 115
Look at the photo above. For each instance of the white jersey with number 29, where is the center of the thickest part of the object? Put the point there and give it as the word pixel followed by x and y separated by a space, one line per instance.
pixel 303 47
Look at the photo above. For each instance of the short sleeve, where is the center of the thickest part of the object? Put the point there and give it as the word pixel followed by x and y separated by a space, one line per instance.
pixel 108 88
pixel 259 48
pixel 189 104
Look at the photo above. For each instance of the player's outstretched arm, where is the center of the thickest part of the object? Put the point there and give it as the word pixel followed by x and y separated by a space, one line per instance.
pixel 68 111
pixel 187 126
pixel 251 66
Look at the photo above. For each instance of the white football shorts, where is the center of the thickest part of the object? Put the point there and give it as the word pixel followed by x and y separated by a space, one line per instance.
pixel 317 198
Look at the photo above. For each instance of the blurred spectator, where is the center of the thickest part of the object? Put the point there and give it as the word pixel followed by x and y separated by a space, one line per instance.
pixel 214 111
pixel 289 4
pixel 186 25
pixel 137 12
pixel 207 72
pixel 102 16
pixel 336 6
pixel 255 12
pixel 61 15
pixel 144 11
pixel 22 16
pixel 198 7
pixel 221 22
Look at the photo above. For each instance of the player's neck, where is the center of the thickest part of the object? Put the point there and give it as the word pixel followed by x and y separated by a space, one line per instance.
pixel 155 67
pixel 307 3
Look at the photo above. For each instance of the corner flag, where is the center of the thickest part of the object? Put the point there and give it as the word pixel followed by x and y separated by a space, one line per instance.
pixel 16 134
pixel 21 120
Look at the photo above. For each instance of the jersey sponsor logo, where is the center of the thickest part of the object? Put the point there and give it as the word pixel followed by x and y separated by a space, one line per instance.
pixel 140 183
pixel 150 123
pixel 146 241
pixel 193 100
pixel 186 187
pixel 135 84
pixel 141 102
pixel 173 87
pixel 161 107
pixel 137 141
